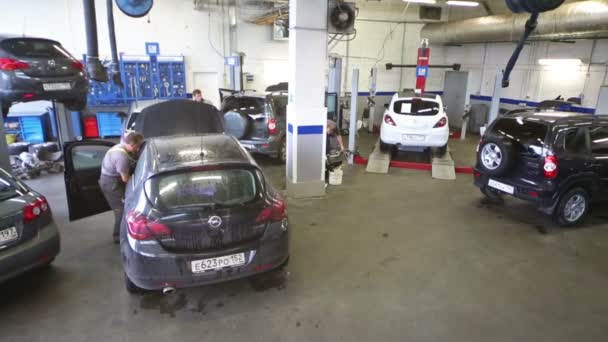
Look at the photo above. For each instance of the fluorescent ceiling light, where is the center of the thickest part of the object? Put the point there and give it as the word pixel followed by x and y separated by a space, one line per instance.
pixel 463 3
pixel 560 61
pixel 422 1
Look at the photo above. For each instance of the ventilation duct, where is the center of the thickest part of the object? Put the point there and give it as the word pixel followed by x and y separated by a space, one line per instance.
pixel 585 19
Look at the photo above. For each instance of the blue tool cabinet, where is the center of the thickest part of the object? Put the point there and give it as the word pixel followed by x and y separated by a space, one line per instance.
pixel 109 124
pixel 31 127
pixel 144 78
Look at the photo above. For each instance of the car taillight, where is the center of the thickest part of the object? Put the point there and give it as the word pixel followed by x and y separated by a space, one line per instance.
pixel 389 120
pixel 550 167
pixel 140 228
pixel 33 210
pixel 272 126
pixel 442 122
pixel 276 212
pixel 78 65
pixel 10 64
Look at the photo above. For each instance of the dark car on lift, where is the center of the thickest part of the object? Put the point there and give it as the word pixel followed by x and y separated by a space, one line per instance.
pixel 33 69
pixel 259 122
pixel 555 159
pixel 29 237
pixel 198 210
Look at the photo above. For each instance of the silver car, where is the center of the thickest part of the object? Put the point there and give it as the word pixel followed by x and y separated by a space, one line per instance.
pixel 29 237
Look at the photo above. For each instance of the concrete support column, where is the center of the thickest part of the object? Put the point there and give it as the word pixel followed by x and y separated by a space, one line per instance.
pixel 306 112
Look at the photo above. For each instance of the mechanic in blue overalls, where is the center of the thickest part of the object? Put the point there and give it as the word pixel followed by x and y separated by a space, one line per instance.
pixel 116 172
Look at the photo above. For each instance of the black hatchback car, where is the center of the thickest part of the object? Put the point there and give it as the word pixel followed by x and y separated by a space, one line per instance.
pixel 33 69
pixel 198 209
pixel 557 160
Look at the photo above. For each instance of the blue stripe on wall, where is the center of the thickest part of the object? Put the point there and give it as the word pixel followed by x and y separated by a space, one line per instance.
pixel 314 129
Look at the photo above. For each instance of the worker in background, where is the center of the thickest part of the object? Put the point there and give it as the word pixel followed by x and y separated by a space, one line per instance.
pixel 116 172
pixel 197 96
pixel 334 139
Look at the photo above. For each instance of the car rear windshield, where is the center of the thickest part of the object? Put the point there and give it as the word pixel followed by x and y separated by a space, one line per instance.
pixel 416 107
pixel 226 187
pixel 244 105
pixel 529 134
pixel 8 187
pixel 34 48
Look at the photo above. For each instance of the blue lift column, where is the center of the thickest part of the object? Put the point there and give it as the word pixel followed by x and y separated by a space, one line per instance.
pixel 306 111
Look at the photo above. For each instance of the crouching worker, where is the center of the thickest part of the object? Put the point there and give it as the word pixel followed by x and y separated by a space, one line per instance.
pixel 116 172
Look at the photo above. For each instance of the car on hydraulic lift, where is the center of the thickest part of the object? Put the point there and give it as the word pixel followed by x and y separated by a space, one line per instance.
pixel 33 69
pixel 557 160
pixel 415 120
pixel 198 209
pixel 259 122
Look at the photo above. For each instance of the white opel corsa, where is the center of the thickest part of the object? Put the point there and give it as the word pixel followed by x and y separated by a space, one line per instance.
pixel 417 120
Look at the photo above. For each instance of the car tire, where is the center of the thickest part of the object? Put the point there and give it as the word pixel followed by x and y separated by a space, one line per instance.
pixel 492 195
pixel 131 287
pixel 16 149
pixel 384 147
pixel 282 155
pixel 76 105
pixel 500 156
pixel 441 151
pixel 572 207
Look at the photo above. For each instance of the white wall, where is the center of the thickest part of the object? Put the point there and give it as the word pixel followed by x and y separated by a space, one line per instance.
pixel 529 80
pixel 182 30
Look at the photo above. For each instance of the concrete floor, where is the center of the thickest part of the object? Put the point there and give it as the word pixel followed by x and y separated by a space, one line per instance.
pixel 396 257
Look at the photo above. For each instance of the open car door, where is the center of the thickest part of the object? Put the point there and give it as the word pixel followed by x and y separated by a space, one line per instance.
pixel 82 170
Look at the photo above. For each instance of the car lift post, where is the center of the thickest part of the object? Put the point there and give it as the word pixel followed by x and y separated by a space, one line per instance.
pixel 235 71
pixel 334 83
pixel 371 102
pixel 495 104
pixel 5 161
pixel 352 135
pixel 422 65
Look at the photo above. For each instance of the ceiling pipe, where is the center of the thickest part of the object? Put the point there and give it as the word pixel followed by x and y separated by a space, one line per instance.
pixel 578 20
pixel 95 69
pixel 114 67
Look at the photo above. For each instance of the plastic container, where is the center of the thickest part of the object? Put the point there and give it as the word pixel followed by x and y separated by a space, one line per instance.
pixel 335 177
pixel 90 127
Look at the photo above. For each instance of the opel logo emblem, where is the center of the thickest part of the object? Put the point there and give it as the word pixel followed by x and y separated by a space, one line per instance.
pixel 52 63
pixel 215 221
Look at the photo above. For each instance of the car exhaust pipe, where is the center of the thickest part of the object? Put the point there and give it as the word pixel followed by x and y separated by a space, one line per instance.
pixel 169 290
pixel 95 69
pixel 114 67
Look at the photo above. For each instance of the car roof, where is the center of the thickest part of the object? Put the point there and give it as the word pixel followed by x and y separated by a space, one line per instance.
pixel 171 153
pixel 139 105
pixel 556 116
pixel 4 36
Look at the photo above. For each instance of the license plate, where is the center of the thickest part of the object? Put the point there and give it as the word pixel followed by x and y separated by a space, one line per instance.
pixel 248 146
pixel 56 86
pixel 200 266
pixel 501 186
pixel 413 137
pixel 7 235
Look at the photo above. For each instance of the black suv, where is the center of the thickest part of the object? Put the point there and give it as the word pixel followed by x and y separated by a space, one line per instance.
pixel 558 160
pixel 259 122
